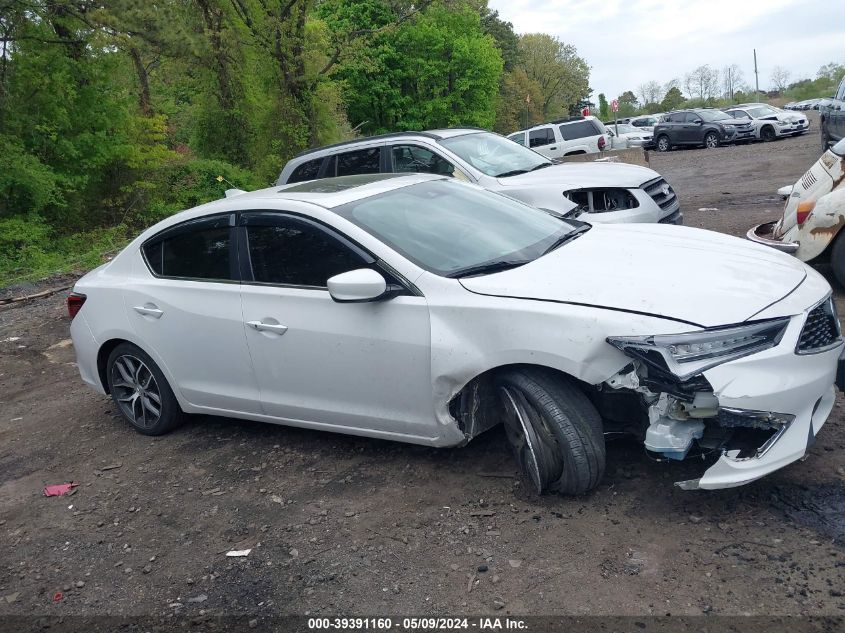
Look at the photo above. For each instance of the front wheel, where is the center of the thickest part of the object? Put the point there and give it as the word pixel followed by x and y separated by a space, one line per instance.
pixel 768 134
pixel 554 430
pixel 825 137
pixel 141 391
pixel 663 144
pixel 711 141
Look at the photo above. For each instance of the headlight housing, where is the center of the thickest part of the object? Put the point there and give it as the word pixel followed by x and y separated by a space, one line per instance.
pixel 688 354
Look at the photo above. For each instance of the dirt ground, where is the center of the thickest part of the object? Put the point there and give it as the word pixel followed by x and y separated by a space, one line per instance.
pixel 344 525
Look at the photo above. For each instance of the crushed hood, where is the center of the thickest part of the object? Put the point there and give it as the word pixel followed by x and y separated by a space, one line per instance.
pixel 681 273
pixel 576 175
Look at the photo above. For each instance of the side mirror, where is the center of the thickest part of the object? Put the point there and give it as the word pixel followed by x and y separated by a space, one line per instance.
pixel 698 122
pixel 839 148
pixel 357 286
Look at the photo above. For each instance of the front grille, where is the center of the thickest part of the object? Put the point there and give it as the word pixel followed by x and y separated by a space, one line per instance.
pixel 821 330
pixel 660 191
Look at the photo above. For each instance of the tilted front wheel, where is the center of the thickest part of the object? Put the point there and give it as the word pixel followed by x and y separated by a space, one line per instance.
pixel 140 391
pixel 554 430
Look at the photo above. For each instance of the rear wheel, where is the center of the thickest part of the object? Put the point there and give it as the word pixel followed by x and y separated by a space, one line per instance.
pixel 554 430
pixel 663 144
pixel 768 133
pixel 711 141
pixel 140 391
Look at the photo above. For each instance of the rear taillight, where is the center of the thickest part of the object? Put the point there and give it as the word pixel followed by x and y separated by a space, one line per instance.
pixel 74 304
pixel 602 143
pixel 804 210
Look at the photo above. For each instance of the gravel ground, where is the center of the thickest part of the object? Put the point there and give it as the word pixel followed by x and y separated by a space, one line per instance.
pixel 344 525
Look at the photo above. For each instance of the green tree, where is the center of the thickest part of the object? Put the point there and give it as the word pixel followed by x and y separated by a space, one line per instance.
pixel 673 100
pixel 562 75
pixel 604 109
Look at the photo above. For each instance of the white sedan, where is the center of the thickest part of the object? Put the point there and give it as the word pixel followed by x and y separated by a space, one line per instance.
pixel 624 135
pixel 425 310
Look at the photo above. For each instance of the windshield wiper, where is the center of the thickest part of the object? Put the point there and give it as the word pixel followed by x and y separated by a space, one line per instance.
pixel 513 172
pixel 563 239
pixel 540 166
pixel 490 267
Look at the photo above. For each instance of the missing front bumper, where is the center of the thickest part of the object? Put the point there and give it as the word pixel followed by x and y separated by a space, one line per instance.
pixel 764 234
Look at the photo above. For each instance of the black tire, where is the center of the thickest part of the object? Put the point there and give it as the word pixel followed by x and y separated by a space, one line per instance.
pixel 837 258
pixel 767 133
pixel 663 144
pixel 135 384
pixel 825 138
pixel 711 140
pixel 554 430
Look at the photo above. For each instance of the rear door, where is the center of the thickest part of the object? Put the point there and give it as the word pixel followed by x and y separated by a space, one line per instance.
pixel 349 366
pixel 183 302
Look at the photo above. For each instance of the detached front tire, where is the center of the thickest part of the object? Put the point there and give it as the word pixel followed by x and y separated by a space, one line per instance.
pixel 554 430
pixel 140 391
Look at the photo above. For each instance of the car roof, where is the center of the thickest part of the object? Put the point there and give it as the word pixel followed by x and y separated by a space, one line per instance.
pixel 432 134
pixel 333 192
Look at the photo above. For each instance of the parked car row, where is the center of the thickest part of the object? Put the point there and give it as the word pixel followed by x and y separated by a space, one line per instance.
pixel 808 104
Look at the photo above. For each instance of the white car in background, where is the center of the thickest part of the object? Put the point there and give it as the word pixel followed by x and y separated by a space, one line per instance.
pixel 565 137
pixel 629 136
pixel 426 310
pixel 770 122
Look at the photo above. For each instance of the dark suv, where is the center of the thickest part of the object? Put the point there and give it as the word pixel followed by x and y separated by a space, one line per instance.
pixel 832 118
pixel 702 127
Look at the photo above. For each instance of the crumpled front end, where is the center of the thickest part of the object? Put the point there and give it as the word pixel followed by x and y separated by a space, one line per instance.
pixel 747 417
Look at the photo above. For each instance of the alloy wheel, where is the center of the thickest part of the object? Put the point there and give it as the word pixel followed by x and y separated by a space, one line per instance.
pixel 711 141
pixel 136 390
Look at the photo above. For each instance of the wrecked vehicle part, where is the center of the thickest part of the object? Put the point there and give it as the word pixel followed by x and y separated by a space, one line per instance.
pixel 601 200
pixel 762 410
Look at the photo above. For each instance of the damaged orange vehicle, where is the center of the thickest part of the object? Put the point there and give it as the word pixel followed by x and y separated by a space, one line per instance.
pixel 813 216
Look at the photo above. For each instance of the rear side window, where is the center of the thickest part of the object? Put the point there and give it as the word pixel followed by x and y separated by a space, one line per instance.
pixel 362 161
pixel 678 117
pixel 306 171
pixel 195 250
pixel 841 94
pixel 287 250
pixel 543 136
pixel 579 129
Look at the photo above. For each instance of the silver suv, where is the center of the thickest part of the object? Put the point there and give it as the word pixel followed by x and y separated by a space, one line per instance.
pixel 603 192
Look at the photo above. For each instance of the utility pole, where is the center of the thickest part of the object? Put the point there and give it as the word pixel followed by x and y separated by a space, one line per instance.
pixel 730 85
pixel 756 76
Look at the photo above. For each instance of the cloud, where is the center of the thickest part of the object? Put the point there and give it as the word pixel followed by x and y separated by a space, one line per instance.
pixel 633 41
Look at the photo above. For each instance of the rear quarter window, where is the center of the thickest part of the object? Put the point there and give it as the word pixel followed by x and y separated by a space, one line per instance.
pixel 195 250
pixel 308 170
pixel 579 129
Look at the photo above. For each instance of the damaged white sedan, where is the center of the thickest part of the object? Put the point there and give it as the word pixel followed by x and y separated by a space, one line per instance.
pixel 425 310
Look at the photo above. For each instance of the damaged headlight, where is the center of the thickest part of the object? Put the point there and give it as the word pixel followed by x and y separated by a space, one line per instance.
pixel 685 355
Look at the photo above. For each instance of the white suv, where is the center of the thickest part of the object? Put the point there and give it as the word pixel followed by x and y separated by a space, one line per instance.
pixel 565 137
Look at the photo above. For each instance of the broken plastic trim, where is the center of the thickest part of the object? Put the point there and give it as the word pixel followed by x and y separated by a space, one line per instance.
pixel 601 200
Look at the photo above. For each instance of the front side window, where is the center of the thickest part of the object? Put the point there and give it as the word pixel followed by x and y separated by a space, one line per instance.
pixel 195 250
pixel 447 227
pixel 413 158
pixel 713 115
pixel 495 155
pixel 290 251
pixel 362 161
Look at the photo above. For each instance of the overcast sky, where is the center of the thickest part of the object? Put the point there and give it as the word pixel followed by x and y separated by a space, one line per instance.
pixel 629 42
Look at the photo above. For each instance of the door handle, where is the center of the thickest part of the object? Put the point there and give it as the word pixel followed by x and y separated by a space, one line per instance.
pixel 553 148
pixel 260 326
pixel 149 310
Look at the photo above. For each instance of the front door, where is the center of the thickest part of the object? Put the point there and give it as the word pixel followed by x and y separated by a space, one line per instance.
pixel 354 367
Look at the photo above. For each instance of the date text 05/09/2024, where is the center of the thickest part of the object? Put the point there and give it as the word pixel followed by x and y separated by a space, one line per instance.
pixel 417 624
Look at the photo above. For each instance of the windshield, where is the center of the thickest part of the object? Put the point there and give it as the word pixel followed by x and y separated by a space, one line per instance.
pixel 495 155
pixel 762 111
pixel 713 115
pixel 448 227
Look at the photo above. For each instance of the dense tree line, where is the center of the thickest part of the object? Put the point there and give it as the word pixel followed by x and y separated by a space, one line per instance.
pixel 114 114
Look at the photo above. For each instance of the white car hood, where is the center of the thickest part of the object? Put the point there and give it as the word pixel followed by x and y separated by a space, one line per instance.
pixel 692 275
pixel 590 174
